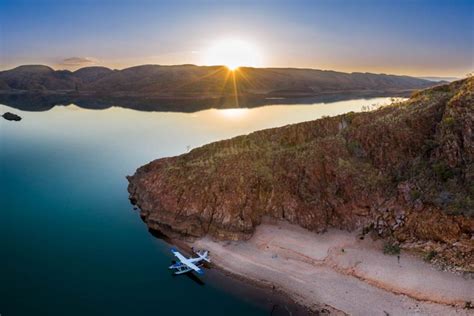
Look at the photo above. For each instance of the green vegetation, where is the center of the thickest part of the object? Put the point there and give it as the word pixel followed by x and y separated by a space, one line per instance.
pixel 391 248
pixel 462 205
pixel 367 229
pixel 355 148
pixel 429 145
pixel 349 116
pixel 430 255
pixel 443 171
pixel 415 195
pixel 449 121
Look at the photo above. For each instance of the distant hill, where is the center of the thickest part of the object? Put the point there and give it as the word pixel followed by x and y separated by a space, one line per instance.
pixel 202 81
pixel 440 79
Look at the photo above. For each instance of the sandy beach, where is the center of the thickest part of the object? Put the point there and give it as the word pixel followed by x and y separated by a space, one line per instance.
pixel 342 272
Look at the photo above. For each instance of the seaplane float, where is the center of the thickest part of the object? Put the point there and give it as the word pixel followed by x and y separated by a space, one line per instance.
pixel 186 265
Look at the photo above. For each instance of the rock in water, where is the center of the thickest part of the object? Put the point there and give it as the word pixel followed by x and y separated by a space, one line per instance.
pixel 11 117
pixel 388 171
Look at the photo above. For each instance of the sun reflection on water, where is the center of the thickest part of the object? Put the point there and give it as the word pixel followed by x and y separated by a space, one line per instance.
pixel 234 113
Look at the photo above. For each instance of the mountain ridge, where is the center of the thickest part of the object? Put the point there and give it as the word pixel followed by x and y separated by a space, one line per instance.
pixel 192 80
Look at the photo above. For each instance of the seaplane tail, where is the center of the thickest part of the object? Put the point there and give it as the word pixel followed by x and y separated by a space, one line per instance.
pixel 203 255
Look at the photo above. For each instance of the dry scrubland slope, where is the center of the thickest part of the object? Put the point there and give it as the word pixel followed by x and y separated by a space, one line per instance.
pixel 403 172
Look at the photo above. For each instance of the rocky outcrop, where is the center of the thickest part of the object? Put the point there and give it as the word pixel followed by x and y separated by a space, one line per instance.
pixel 403 172
pixel 11 116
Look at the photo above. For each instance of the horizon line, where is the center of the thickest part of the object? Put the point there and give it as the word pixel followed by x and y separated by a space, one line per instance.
pixel 223 66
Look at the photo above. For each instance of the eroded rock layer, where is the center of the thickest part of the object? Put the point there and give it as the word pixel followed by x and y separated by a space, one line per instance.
pixel 403 172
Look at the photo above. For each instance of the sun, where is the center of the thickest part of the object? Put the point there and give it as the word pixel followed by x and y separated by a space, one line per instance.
pixel 233 54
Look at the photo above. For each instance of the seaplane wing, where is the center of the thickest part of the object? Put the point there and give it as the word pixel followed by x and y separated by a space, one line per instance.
pixel 187 262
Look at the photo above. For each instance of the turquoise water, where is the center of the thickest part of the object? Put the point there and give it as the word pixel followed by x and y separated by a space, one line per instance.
pixel 70 241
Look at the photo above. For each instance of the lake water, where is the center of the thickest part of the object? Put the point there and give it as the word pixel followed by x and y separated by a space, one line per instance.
pixel 70 241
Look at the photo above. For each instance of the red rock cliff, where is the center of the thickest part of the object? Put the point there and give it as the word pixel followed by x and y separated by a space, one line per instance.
pixel 404 172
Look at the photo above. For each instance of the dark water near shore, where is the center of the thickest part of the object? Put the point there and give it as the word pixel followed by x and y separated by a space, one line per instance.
pixel 71 243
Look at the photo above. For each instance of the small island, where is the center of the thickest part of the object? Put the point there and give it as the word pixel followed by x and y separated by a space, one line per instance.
pixel 11 116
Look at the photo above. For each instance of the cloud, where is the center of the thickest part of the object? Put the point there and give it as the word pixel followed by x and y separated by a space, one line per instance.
pixel 78 61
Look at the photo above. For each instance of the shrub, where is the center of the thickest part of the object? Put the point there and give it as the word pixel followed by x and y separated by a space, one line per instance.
pixel 462 205
pixel 356 149
pixel 442 171
pixel 391 248
pixel 429 145
pixel 430 255
pixel 367 229
pixel 349 116
pixel 415 195
pixel 448 121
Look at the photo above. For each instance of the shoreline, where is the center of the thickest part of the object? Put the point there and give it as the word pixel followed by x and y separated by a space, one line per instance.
pixel 318 308
pixel 317 274
pixel 260 290
pixel 257 292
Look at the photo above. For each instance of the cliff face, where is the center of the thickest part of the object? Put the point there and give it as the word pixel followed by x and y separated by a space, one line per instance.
pixel 403 172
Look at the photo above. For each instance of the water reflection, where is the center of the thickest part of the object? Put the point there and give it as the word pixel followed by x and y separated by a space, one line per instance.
pixel 234 113
pixel 68 235
pixel 38 102
pixel 138 137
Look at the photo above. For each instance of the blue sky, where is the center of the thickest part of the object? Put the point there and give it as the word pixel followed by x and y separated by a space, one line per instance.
pixel 403 37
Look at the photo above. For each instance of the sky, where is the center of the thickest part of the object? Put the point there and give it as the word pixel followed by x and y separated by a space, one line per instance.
pixel 418 37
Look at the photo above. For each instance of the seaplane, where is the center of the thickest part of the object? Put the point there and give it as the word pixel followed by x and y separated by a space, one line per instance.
pixel 186 265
